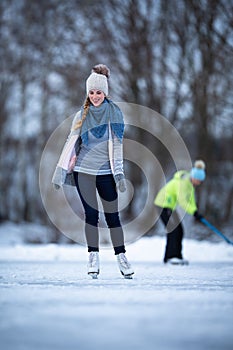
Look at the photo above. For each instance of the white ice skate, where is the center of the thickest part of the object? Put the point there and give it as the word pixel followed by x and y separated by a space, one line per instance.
pixel 93 268
pixel 177 261
pixel 124 266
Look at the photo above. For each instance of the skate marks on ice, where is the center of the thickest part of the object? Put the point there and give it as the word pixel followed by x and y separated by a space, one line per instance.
pixel 46 305
pixel 147 275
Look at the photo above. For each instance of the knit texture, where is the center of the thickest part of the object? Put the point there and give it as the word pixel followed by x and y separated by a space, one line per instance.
pixel 198 174
pixel 97 82
pixel 97 120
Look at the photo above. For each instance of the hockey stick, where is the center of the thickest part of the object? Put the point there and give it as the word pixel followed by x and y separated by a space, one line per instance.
pixel 214 229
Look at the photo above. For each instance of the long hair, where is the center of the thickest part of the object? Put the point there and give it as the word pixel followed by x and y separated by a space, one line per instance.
pixel 85 111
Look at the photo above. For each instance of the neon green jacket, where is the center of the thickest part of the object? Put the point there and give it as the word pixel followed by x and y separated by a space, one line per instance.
pixel 178 191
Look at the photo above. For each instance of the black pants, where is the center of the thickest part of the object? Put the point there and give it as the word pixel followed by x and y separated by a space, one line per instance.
pixel 174 228
pixel 105 185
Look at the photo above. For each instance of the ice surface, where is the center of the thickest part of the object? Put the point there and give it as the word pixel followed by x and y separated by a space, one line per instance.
pixel 49 302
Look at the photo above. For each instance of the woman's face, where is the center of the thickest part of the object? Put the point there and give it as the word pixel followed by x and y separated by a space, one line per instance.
pixel 96 97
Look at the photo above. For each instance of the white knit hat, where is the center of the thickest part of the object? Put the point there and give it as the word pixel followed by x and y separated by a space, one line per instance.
pixel 97 82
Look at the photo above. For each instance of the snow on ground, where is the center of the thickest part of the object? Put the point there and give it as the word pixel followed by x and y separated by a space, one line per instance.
pixel 48 302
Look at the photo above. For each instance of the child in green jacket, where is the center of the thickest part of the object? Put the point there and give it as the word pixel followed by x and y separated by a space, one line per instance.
pixel 180 190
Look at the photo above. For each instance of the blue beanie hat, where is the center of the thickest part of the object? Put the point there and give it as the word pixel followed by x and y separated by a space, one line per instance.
pixel 198 171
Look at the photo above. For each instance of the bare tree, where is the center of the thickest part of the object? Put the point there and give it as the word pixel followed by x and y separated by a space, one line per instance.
pixel 174 57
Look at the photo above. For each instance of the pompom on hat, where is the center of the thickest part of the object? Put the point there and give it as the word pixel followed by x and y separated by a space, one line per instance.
pixel 98 80
pixel 198 171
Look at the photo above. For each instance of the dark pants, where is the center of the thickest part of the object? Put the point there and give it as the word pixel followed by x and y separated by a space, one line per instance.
pixel 174 228
pixel 105 185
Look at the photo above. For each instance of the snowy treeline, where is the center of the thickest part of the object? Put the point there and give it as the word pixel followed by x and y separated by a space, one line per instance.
pixel 174 57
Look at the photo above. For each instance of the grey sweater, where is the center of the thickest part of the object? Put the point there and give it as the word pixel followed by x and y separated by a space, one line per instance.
pixel 62 176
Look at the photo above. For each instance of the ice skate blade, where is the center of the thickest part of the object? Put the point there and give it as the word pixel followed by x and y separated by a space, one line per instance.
pixel 176 261
pixel 94 275
pixel 128 277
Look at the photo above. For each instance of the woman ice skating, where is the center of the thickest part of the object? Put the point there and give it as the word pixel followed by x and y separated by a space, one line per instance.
pixel 92 160
pixel 179 191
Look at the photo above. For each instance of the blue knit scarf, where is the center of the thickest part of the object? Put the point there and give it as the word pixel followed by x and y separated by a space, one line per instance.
pixel 97 120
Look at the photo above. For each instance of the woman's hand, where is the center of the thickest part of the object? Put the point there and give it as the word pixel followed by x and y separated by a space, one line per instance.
pixel 72 164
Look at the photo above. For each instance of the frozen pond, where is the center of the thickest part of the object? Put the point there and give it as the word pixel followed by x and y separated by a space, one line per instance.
pixel 55 305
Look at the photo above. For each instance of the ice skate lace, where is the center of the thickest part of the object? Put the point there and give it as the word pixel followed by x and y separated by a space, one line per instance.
pixel 93 259
pixel 124 262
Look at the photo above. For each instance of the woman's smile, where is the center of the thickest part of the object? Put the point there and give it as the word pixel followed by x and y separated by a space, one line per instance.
pixel 96 97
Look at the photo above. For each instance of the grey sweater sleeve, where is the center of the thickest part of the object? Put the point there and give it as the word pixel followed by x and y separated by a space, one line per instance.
pixel 117 156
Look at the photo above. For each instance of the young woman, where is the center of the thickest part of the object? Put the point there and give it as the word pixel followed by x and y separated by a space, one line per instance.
pixel 93 158
pixel 180 190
